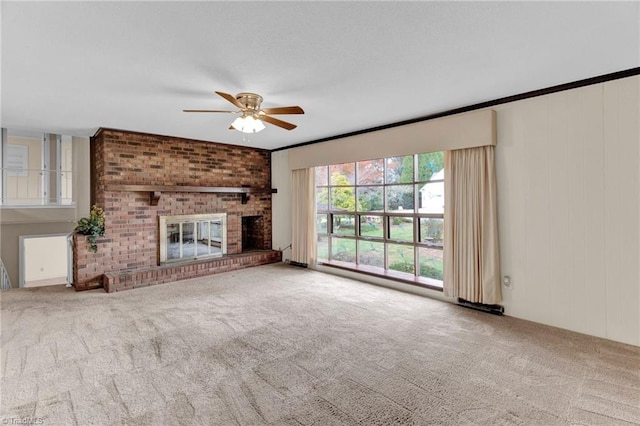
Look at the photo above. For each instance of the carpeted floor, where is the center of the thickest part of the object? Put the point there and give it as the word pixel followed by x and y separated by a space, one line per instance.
pixel 286 346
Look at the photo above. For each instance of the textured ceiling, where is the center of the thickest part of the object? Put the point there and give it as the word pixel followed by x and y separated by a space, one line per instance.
pixel 72 67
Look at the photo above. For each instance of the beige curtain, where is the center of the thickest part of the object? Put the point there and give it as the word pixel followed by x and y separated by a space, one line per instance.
pixel 303 214
pixel 471 252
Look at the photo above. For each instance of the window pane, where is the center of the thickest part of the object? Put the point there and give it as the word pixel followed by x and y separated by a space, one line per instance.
pixel 371 253
pixel 343 249
pixel 323 248
pixel 215 234
pixel 432 232
pixel 26 182
pixel 401 228
pixel 216 230
pixel 173 241
pixel 400 198
pixel 322 176
pixel 343 174
pixel 430 260
pixel 370 172
pixel 344 224
pixel 370 198
pixel 431 197
pixel 188 246
pixel 401 258
pixel 430 164
pixel 400 169
pixel 31 175
pixel 202 243
pixel 371 226
pixel 204 231
pixel 321 224
pixel 343 198
pixel 322 199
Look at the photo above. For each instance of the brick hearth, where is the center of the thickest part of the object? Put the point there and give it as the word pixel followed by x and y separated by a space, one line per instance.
pixel 128 256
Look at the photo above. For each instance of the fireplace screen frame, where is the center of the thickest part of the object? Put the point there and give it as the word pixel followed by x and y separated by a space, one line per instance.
pixel 193 219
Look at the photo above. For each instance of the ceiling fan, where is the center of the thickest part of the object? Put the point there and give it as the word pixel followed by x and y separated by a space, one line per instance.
pixel 252 116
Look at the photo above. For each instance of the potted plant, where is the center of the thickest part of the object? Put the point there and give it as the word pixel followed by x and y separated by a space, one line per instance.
pixel 92 226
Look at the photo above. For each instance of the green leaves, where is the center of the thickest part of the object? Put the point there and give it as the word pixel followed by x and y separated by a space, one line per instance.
pixel 93 226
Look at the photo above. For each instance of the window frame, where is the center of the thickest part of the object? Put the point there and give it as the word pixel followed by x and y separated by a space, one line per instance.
pixel 386 220
pixel 51 180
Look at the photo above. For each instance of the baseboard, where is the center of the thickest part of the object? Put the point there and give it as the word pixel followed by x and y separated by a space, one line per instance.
pixel 492 309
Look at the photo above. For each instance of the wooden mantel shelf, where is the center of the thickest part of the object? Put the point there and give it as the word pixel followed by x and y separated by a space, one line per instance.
pixel 156 190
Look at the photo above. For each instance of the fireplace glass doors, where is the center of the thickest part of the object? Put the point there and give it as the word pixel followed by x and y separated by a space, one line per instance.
pixel 190 237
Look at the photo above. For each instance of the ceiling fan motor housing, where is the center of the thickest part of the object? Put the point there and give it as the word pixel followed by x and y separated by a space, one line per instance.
pixel 251 101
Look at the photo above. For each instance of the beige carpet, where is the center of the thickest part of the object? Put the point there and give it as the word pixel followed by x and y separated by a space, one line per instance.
pixel 286 346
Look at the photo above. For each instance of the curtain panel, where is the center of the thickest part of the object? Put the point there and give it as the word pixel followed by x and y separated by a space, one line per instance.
pixel 303 216
pixel 471 251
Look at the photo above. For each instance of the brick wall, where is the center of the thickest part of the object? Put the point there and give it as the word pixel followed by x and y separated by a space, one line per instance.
pixel 130 246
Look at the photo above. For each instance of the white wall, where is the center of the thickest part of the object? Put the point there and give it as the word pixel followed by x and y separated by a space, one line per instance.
pixel 81 177
pixel 568 201
pixel 569 208
pixel 281 202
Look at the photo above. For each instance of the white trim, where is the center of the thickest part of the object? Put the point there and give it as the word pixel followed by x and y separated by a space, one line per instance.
pixel 58 170
pixel 45 195
pixel 468 130
pixel 37 206
pixel 396 285
pixel 3 156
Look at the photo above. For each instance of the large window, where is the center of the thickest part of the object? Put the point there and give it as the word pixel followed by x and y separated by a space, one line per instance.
pixel 384 216
pixel 36 169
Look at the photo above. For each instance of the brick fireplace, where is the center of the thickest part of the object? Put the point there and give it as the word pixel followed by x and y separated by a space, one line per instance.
pixel 138 178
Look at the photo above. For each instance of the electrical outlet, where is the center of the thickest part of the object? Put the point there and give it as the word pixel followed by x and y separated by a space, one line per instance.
pixel 506 281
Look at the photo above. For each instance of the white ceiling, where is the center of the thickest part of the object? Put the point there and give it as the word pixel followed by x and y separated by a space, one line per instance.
pixel 72 67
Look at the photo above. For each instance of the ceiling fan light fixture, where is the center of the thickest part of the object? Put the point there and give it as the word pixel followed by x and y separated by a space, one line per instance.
pixel 248 124
pixel 252 116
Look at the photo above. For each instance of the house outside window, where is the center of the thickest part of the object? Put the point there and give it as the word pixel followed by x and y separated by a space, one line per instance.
pixel 37 169
pixel 384 216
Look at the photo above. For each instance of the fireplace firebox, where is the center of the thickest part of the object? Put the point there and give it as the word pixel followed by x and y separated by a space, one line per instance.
pixel 252 233
pixel 191 237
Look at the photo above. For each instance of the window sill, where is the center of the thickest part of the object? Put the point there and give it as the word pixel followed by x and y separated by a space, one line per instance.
pixel 37 206
pixel 373 271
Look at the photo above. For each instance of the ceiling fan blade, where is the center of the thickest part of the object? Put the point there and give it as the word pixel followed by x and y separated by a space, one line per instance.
pixel 231 99
pixel 209 110
pixel 277 122
pixel 284 110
